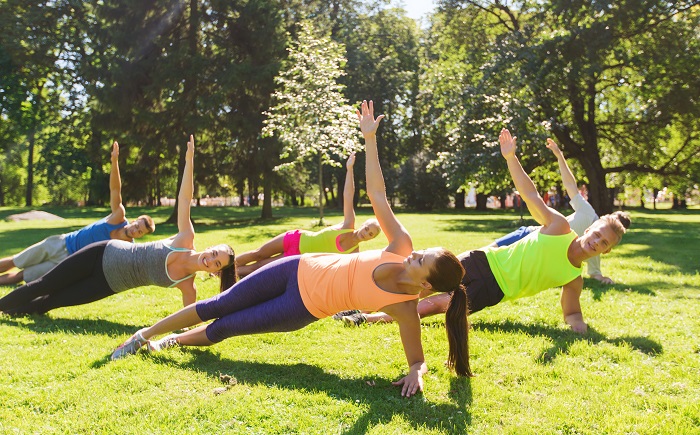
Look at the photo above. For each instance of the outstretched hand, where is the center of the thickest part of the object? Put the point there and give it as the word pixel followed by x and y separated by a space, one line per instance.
pixel 507 143
pixel 190 148
pixel 553 146
pixel 368 125
pixel 351 161
pixel 115 150
pixel 411 384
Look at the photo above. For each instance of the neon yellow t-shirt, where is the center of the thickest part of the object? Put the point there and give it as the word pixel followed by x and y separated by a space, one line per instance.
pixel 535 263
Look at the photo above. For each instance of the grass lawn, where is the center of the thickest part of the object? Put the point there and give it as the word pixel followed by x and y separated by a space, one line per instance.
pixel 636 371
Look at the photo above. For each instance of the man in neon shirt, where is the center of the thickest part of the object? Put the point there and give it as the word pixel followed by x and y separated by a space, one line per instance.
pixel 41 257
pixel 583 217
pixel 550 257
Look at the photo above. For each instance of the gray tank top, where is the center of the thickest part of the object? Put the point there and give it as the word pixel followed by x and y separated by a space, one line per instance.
pixel 129 265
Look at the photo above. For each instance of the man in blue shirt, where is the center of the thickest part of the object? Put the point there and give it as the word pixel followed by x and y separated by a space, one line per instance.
pixel 41 257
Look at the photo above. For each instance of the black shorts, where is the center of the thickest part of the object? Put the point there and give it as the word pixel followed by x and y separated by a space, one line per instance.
pixel 482 289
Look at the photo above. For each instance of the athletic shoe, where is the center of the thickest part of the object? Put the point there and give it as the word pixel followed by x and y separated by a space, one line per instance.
pixel 164 343
pixel 340 315
pixel 356 319
pixel 130 346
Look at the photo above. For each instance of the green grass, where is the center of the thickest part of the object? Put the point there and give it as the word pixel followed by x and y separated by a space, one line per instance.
pixel 636 371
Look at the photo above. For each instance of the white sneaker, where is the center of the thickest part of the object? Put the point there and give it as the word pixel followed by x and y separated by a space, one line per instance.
pixel 164 343
pixel 130 346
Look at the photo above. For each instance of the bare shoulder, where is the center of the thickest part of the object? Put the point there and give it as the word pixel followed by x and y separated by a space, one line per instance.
pixel 557 225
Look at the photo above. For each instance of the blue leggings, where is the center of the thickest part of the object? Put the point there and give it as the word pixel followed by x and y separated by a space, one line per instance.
pixel 516 235
pixel 267 300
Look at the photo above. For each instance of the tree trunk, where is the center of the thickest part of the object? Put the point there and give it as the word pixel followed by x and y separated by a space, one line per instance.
pixel 2 191
pixel 481 201
pixel 240 187
pixel 502 198
pixel 341 190
pixel 598 193
pixel 267 200
pixel 320 189
pixel 96 188
pixel 334 199
pixel 460 197
pixel 30 166
pixel 253 192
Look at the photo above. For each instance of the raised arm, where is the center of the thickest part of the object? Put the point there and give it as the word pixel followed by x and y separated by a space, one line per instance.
pixel 567 177
pixel 349 195
pixel 115 189
pixel 185 235
pixel 552 222
pixel 399 239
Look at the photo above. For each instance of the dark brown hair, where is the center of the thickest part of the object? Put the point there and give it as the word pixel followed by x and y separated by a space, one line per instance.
pixel 228 274
pixel 446 276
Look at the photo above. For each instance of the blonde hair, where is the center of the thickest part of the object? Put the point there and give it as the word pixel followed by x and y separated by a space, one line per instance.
pixel 619 222
pixel 375 222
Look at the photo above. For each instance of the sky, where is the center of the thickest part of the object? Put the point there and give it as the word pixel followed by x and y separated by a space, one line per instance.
pixel 417 8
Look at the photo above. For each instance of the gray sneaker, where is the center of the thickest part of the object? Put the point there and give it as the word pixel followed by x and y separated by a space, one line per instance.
pixel 340 315
pixel 164 343
pixel 130 346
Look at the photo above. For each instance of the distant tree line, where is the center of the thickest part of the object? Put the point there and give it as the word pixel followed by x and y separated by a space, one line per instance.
pixel 615 83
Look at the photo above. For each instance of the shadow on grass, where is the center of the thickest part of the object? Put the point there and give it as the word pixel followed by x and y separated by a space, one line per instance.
pixel 383 400
pixel 663 240
pixel 45 324
pixel 599 289
pixel 563 339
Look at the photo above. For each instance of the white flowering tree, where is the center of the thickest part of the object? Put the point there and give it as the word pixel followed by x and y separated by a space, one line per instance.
pixel 311 117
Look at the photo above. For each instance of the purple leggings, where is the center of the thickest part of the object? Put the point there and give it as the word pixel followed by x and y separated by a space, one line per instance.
pixel 267 300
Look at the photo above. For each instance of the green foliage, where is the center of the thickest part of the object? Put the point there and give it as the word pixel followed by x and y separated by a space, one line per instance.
pixel 614 81
pixel 420 188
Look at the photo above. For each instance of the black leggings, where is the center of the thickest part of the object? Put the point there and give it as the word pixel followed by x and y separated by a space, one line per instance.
pixel 79 279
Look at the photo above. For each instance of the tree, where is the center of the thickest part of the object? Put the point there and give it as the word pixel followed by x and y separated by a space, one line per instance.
pixel 311 116
pixel 608 77
pixel 31 45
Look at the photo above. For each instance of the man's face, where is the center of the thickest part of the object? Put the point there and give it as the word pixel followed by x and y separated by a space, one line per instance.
pixel 136 229
pixel 599 239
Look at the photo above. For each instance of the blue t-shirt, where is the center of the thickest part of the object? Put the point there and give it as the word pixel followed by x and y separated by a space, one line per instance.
pixel 95 232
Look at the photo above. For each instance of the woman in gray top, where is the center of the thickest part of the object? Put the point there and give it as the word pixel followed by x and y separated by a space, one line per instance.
pixel 105 268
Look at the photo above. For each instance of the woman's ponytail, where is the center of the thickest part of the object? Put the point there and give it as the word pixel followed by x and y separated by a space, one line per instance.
pixel 446 277
pixel 457 326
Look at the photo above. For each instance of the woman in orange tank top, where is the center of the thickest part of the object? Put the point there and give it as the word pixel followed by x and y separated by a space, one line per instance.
pixel 291 293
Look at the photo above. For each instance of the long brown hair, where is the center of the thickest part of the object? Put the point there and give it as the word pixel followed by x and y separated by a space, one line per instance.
pixel 445 277
pixel 229 274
